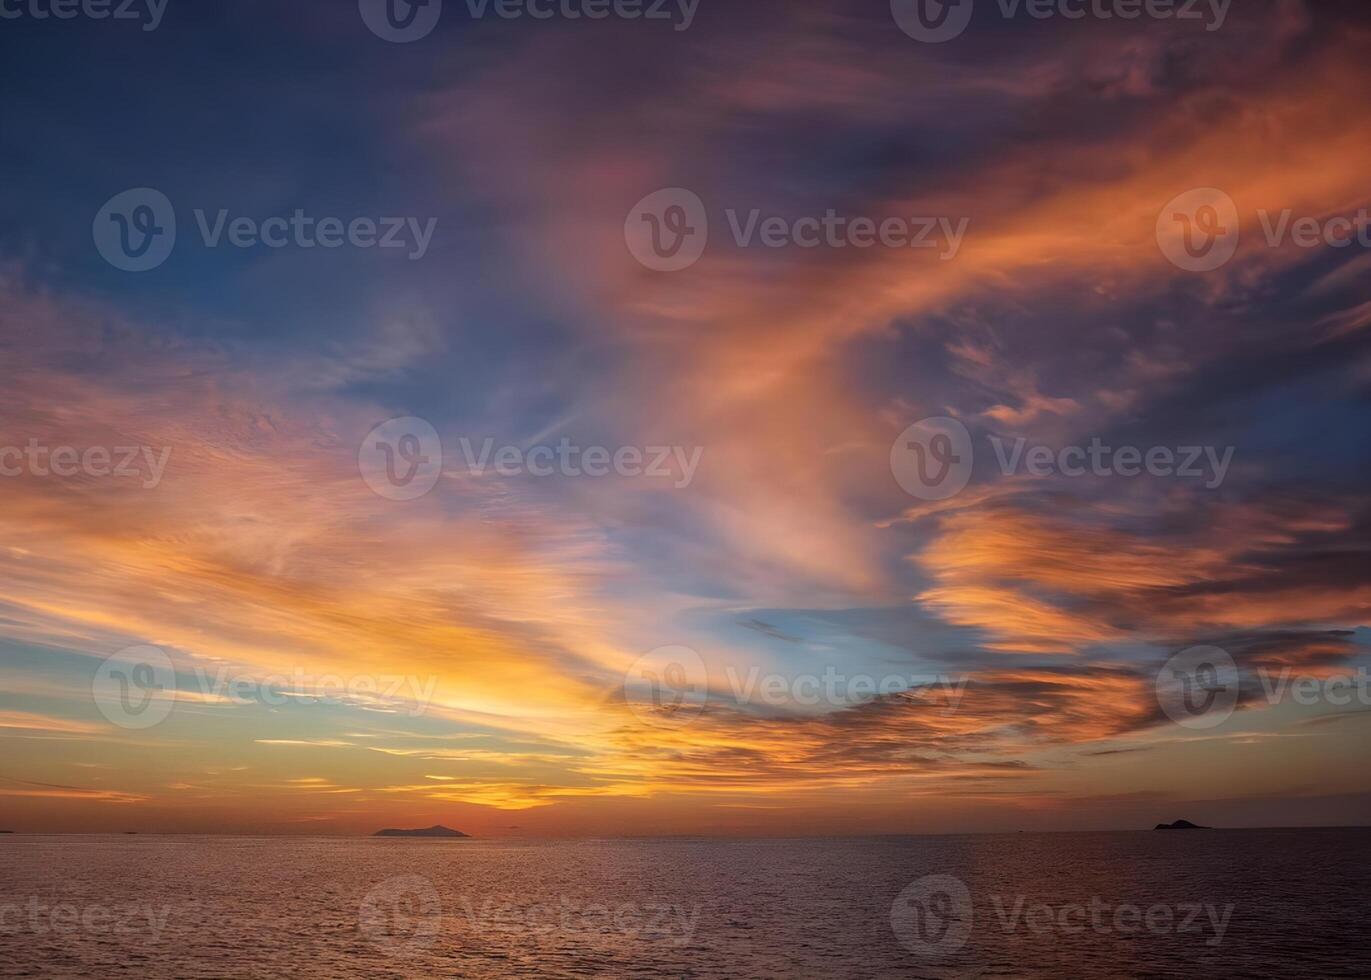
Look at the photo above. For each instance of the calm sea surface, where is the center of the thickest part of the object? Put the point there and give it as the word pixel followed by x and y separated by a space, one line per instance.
pixel 1272 903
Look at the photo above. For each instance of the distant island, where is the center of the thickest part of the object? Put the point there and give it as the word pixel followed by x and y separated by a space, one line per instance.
pixel 437 830
pixel 1180 825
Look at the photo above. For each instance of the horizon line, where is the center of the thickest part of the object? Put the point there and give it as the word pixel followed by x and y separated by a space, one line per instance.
pixel 630 837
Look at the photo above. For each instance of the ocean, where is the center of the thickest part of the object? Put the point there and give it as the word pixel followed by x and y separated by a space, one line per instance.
pixel 1221 903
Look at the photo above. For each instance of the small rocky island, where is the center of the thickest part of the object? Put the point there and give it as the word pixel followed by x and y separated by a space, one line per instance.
pixel 1180 825
pixel 437 830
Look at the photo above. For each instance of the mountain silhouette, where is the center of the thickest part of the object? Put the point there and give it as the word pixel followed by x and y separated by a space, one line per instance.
pixel 437 830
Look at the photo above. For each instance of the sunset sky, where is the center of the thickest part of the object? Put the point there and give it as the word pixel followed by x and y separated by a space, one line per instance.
pixel 517 604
